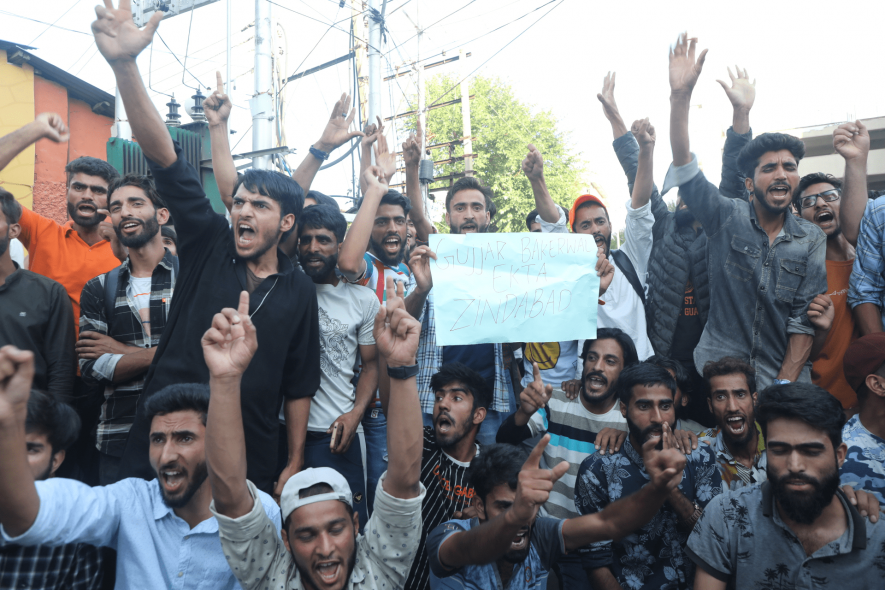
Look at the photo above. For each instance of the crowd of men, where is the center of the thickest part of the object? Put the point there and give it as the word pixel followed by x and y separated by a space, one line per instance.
pixel 191 400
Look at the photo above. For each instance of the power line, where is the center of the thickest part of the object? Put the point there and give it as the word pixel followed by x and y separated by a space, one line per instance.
pixel 434 23
pixel 55 21
pixel 43 22
pixel 496 53
pixel 179 61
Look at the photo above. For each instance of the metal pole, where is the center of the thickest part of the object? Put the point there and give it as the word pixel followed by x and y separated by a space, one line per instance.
pixel 227 79
pixel 465 116
pixel 422 101
pixel 121 125
pixel 261 103
pixel 374 63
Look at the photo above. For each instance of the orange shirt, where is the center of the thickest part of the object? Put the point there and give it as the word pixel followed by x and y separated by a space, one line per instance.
pixel 57 251
pixel 827 370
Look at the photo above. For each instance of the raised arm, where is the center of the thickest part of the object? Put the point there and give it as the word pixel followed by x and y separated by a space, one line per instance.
pixel 373 132
pixel 120 42
pixel 412 156
pixel 852 142
pixel 20 504
pixel 351 261
pixel 228 347
pixel 610 107
pixel 396 338
pixel 217 107
pixel 684 73
pixel 742 94
pixel 489 542
pixel 335 134
pixel 533 167
pixel 44 126
pixel 644 132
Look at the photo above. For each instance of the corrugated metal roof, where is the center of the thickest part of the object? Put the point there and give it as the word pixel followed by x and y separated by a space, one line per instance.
pixel 101 102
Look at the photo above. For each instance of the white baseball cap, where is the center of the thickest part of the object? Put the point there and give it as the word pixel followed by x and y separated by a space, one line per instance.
pixel 290 500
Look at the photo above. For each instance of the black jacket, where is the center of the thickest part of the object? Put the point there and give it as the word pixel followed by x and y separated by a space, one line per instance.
pixel 287 364
pixel 678 253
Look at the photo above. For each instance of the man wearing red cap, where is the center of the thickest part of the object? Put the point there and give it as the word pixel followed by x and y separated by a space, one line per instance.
pixel 864 433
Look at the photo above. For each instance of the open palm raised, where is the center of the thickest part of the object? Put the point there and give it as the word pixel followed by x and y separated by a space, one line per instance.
pixel 115 32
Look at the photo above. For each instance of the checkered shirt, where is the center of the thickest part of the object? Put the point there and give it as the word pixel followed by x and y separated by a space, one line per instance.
pixel 75 566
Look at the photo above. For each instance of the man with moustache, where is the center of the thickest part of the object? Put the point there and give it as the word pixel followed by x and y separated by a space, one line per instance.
pixel 766 265
pixel 652 557
pixel 83 247
pixel 34 312
pixel 461 401
pixel 346 316
pixel 218 261
pixel 162 530
pixel 123 314
pixel 798 529
pixel 508 545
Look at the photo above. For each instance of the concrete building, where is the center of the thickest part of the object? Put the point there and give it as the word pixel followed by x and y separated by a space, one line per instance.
pixel 29 86
pixel 821 157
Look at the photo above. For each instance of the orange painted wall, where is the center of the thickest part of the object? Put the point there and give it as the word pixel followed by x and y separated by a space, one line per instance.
pixel 51 157
pixel 89 132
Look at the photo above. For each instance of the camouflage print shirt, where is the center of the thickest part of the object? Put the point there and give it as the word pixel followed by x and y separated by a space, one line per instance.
pixel 864 466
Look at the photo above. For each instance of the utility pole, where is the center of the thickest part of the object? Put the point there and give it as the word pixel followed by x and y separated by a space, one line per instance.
pixel 422 101
pixel 227 79
pixel 465 115
pixel 375 59
pixel 262 103
pixel 121 124
pixel 360 57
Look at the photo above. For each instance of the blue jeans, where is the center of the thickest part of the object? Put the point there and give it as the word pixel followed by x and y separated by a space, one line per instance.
pixel 375 431
pixel 348 464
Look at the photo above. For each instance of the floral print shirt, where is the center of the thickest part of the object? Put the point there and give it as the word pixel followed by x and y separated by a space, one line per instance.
pixel 652 557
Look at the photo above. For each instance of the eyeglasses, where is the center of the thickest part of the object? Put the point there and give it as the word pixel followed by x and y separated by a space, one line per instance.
pixel 828 196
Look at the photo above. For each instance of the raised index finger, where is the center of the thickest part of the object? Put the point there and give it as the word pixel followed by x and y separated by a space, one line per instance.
pixel 534 460
pixel 220 82
pixel 243 307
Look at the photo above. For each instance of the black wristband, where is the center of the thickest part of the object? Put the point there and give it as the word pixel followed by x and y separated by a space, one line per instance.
pixel 319 154
pixel 406 372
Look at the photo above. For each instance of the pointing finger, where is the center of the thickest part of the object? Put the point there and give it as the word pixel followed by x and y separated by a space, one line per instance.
pixel 243 307
pixel 220 82
pixel 534 460
pixel 536 372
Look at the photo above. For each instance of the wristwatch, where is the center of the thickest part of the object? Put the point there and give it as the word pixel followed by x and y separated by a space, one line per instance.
pixel 319 154
pixel 406 372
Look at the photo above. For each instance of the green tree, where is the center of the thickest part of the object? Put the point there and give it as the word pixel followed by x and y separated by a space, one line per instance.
pixel 503 127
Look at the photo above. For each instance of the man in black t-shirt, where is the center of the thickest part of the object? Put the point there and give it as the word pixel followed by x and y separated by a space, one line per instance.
pixel 461 399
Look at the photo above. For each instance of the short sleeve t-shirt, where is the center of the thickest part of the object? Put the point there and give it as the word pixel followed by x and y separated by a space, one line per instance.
pixel 557 361
pixel 376 269
pixel 139 292
pixel 448 491
pixel 346 316
pixel 547 546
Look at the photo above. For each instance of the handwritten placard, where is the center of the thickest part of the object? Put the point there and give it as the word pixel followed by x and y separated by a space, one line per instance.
pixel 520 287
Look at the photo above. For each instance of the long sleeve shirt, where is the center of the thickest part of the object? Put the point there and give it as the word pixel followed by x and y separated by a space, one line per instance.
pixel 867 283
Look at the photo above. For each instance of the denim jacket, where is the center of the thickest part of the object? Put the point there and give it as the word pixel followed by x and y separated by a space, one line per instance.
pixel 759 292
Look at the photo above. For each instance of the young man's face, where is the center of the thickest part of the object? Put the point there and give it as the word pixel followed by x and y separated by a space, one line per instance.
pixel 775 179
pixel 733 405
pixel 388 239
pixel 593 219
pixel 134 217
pixel 453 414
pixel 467 212
pixel 602 366
pixel 86 195
pixel 257 223
pixel 42 461
pixel 169 244
pixel 649 408
pixel 497 502
pixel 178 455
pixel 823 214
pixel 322 540
pixel 318 252
pixel 803 468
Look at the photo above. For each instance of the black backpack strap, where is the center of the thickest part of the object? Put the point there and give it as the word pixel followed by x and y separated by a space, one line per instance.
pixel 626 266
pixel 110 295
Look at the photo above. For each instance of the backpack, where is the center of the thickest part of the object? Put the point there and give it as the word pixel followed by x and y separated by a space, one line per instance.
pixel 622 261
pixel 110 290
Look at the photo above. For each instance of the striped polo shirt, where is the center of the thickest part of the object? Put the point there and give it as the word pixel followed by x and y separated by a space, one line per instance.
pixel 572 430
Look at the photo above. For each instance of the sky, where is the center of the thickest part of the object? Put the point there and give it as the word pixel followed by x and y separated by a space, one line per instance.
pixel 814 63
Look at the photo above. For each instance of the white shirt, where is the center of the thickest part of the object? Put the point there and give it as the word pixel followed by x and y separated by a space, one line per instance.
pixel 17 252
pixel 623 308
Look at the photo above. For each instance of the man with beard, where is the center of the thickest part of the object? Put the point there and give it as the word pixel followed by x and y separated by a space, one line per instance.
pixel 347 314
pixel 123 314
pixel 320 546
pixel 462 399
pixel 162 530
pixel 34 312
pixel 218 261
pixel 51 427
pixel 653 556
pixel 766 266
pixel 508 546
pixel 83 247
pixel 678 301
pixel 797 530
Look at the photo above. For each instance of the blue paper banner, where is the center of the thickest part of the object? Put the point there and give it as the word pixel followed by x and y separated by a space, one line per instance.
pixel 515 287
